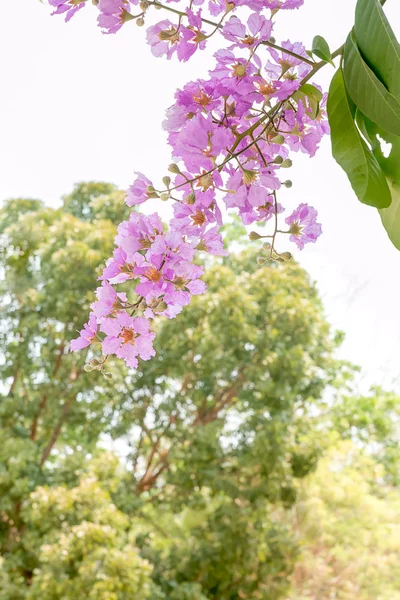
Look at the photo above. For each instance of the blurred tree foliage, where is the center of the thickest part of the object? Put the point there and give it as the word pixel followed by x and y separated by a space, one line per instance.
pixel 218 432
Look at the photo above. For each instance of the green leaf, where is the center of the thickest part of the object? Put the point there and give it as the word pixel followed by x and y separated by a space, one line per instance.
pixel 321 49
pixel 378 44
pixel 367 92
pixel 375 135
pixel 311 98
pixel 391 167
pixel 310 90
pixel 391 216
pixel 350 150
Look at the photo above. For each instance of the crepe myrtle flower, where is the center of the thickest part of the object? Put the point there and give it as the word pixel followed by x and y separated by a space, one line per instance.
pixel 128 337
pixel 303 225
pixel 113 14
pixel 258 30
pixel 138 192
pixel 86 335
pixel 69 7
pixel 163 38
pixel 108 301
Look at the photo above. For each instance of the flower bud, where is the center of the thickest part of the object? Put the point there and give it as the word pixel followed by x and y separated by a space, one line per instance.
pixel 166 181
pixel 151 192
pixel 191 198
pixel 140 21
pixel 278 139
pixel 288 183
pixel 88 368
pixel 286 256
pixel 164 196
pixel 161 307
pixel 157 6
pixel 173 168
pixel 94 362
pixel 278 160
pixel 272 40
pixel 261 260
pixel 266 246
pixel 286 163
pixel 95 2
pixel 253 235
pixel 144 5
pixel 107 375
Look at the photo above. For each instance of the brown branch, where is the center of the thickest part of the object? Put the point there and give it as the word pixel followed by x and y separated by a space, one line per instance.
pixel 59 359
pixel 74 374
pixel 14 381
pixel 57 431
pixel 225 397
pixel 42 405
pixel 150 475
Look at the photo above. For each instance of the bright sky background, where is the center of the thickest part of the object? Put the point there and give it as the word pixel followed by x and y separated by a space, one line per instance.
pixel 77 105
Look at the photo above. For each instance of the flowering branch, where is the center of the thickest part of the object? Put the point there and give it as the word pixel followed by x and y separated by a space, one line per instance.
pixel 230 136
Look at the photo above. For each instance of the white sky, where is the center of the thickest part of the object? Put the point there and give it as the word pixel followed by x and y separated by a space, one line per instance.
pixel 77 105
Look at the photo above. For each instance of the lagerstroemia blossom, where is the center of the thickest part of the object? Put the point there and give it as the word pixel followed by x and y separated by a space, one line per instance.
pixel 231 137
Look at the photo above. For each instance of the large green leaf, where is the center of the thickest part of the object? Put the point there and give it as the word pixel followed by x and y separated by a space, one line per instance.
pixel 350 150
pixel 367 92
pixel 389 163
pixel 378 44
pixel 391 216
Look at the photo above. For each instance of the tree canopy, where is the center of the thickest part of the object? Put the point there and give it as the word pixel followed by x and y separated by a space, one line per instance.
pixel 179 480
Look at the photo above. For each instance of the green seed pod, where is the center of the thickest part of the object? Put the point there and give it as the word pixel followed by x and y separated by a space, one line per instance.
pixel 286 163
pixel 278 139
pixel 173 168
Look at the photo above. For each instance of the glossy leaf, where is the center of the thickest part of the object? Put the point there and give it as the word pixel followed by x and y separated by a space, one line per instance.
pixel 390 165
pixel 391 216
pixel 378 44
pixel 320 48
pixel 311 98
pixel 389 162
pixel 367 92
pixel 350 150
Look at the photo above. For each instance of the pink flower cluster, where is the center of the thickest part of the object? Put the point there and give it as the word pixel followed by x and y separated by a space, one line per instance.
pixel 231 136
pixel 161 267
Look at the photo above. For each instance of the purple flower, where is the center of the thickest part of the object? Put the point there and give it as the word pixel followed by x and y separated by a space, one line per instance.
pixel 108 301
pixel 128 337
pixel 303 225
pixel 113 14
pixel 258 30
pixel 163 38
pixel 211 241
pixel 86 335
pixel 137 192
pixel 70 7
